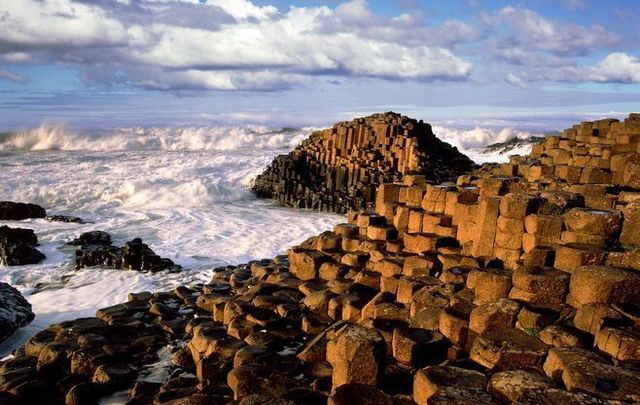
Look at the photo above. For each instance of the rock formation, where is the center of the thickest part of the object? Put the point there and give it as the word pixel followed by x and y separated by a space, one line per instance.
pixel 17 247
pixel 338 169
pixel 12 211
pixel 96 250
pixel 519 283
pixel 15 311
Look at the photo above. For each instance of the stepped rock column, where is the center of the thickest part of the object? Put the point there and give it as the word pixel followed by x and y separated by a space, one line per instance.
pixel 357 355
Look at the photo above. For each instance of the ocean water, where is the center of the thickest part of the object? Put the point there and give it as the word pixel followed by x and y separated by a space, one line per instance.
pixel 184 191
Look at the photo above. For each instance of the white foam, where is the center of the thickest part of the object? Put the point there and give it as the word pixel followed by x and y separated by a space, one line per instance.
pixel 47 137
pixel 191 206
pixel 477 137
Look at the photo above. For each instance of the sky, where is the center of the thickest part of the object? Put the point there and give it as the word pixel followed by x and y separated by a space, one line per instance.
pixel 530 64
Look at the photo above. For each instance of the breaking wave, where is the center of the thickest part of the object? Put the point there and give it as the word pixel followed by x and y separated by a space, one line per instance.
pixel 54 137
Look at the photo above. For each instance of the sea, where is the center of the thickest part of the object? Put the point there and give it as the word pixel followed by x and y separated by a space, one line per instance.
pixel 184 190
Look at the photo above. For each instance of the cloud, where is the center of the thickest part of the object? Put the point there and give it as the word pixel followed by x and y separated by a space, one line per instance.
pixel 229 44
pixel 617 67
pixel 12 77
pixel 539 33
pixel 30 24
pixel 515 80
pixel 575 4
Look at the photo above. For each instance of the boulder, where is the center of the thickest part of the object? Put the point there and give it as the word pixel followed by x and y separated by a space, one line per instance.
pixel 603 284
pixel 96 250
pixel 429 381
pixel 363 394
pixel 511 386
pixel 13 211
pixel 504 349
pixel 593 222
pixel 584 371
pixel 17 247
pixel 357 355
pixel 15 311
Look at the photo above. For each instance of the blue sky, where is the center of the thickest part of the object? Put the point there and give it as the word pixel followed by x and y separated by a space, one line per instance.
pixel 107 63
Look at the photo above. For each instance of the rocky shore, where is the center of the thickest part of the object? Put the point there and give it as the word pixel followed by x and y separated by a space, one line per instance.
pixel 518 283
pixel 338 169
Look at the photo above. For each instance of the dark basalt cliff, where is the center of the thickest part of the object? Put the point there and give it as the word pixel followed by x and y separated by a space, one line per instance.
pixel 338 169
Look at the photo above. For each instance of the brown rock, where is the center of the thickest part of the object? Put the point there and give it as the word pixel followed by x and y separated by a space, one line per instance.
pixel 353 393
pixel 584 371
pixel 593 222
pixel 429 381
pixel 631 226
pixel 305 264
pixel 357 355
pixel 539 285
pixel 622 343
pixel 489 284
pixel 562 336
pixel 496 315
pixel 575 255
pixel 510 386
pixel 503 349
pixel 417 347
pixel 593 284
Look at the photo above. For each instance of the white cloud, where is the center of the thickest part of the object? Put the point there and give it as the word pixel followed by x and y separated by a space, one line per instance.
pixel 16 57
pixel 253 47
pixel 515 80
pixel 243 9
pixel 617 67
pixel 64 23
pixel 12 77
pixel 539 33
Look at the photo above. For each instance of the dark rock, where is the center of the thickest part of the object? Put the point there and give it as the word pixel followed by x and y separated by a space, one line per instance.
pixel 15 311
pixel 96 250
pixel 92 238
pixel 64 218
pixel 17 247
pixel 12 211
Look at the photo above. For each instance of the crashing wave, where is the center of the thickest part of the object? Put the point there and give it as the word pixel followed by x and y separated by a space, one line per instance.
pixel 55 137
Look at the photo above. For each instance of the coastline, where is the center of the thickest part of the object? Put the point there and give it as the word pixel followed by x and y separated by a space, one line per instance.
pixel 437 295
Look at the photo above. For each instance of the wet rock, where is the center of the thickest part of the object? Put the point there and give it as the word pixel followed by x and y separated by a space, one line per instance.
pixel 96 250
pixel 92 238
pixel 12 211
pixel 64 218
pixel 17 247
pixel 15 311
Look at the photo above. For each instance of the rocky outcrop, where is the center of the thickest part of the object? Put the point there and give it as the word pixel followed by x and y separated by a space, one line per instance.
pixel 512 285
pixel 339 169
pixel 96 250
pixel 15 311
pixel 64 218
pixel 17 247
pixel 13 211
